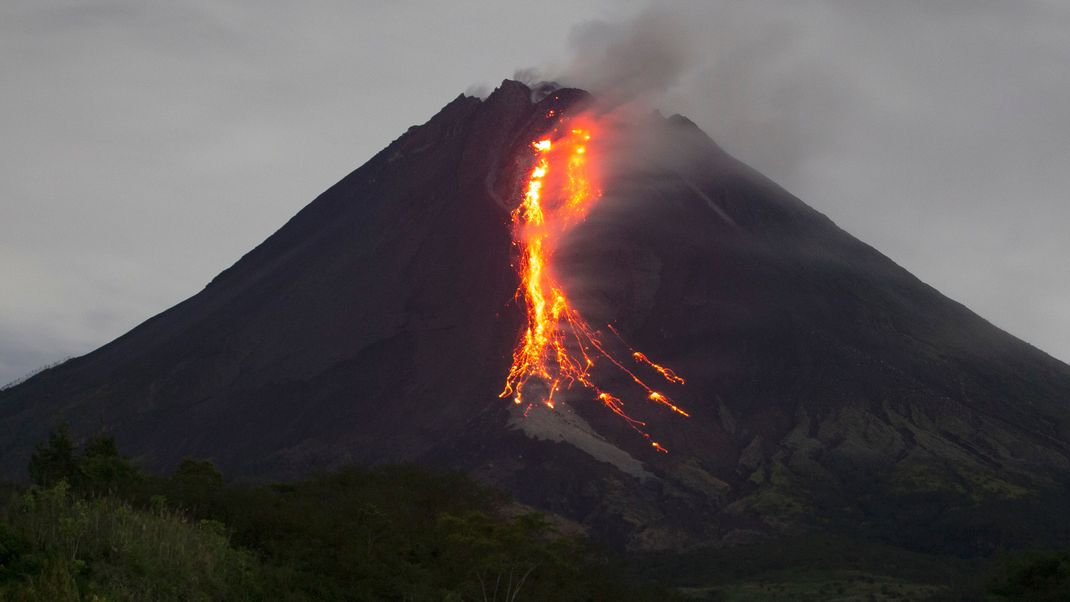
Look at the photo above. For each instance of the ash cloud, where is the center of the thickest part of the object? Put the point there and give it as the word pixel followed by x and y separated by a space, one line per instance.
pixel 742 72
pixel 633 59
pixel 932 131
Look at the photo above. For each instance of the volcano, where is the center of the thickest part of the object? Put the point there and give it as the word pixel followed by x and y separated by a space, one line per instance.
pixel 826 387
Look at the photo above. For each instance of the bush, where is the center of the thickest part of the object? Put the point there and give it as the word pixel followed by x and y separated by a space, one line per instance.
pixel 98 470
pixel 54 462
pixel 1036 575
pixel 106 548
pixel 96 529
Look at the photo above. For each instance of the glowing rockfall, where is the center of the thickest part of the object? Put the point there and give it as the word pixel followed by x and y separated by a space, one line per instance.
pixel 558 347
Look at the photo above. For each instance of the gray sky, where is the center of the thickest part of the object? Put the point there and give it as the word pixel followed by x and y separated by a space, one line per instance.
pixel 148 145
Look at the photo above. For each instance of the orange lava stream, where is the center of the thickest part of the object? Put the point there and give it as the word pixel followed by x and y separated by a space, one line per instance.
pixel 558 347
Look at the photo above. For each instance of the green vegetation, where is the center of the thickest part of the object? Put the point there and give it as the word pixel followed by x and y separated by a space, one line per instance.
pixel 842 586
pixel 816 567
pixel 98 470
pixel 1041 576
pixel 55 546
pixel 92 527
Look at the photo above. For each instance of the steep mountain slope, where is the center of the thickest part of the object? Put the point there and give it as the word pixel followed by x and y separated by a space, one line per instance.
pixel 826 385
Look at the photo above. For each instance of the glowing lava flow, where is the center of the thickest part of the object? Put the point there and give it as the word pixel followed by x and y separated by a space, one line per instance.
pixel 558 347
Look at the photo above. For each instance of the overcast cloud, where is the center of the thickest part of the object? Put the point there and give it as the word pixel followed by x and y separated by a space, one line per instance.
pixel 148 145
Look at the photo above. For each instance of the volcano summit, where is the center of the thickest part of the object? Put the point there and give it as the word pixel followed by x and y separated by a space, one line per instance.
pixel 825 385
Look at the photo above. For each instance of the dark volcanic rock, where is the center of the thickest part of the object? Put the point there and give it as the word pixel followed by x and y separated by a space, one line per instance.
pixel 827 385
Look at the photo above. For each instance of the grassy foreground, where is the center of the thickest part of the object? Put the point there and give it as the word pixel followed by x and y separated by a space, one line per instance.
pixel 92 528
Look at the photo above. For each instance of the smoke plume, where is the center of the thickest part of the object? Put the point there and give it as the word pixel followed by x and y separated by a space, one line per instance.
pixel 912 124
pixel 744 73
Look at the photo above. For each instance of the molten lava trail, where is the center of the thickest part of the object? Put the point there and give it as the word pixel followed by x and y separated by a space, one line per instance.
pixel 558 347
